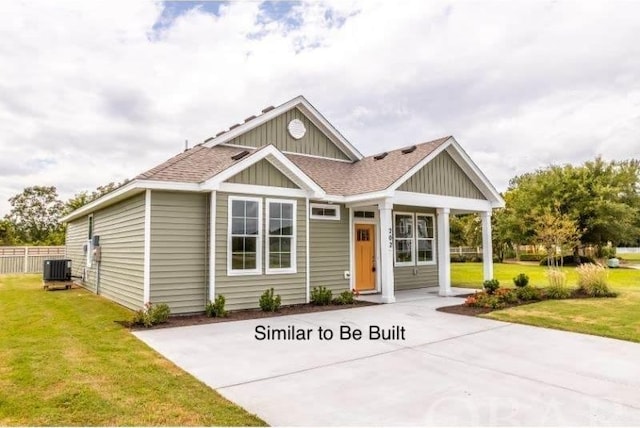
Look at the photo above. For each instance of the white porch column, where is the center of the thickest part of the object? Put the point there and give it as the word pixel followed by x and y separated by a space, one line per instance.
pixel 487 246
pixel 444 258
pixel 386 252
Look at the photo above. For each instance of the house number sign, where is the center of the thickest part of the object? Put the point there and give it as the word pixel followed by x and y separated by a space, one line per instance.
pixel 390 238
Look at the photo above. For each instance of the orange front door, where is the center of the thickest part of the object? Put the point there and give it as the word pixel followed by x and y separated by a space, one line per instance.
pixel 365 257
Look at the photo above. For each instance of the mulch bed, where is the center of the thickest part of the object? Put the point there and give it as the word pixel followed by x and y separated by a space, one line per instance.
pixel 246 314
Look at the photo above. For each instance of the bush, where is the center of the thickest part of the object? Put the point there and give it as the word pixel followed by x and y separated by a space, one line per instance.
pixel 151 315
pixel 506 295
pixel 216 308
pixel 320 296
pixel 484 300
pixel 458 258
pixel 592 280
pixel 557 292
pixel 556 278
pixel 528 293
pixel 607 252
pixel 568 261
pixel 491 285
pixel 531 257
pixel 344 298
pixel 269 303
pixel 521 280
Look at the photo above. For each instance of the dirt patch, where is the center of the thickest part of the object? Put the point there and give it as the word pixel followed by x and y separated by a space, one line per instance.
pixel 464 310
pixel 246 314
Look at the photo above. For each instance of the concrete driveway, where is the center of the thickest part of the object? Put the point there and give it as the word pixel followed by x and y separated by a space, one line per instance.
pixel 449 370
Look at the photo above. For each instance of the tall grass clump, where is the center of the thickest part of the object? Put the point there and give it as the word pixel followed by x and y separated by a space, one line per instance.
pixel 592 280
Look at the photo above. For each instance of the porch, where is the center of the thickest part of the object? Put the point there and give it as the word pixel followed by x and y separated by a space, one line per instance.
pixel 416 294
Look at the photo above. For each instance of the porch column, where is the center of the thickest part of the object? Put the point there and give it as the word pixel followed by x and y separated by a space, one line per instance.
pixel 386 252
pixel 487 246
pixel 444 249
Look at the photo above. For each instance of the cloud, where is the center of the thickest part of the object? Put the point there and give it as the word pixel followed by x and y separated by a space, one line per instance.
pixel 94 92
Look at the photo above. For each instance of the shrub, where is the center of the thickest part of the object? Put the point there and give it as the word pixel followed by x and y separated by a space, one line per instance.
pixel 592 280
pixel 458 258
pixel 344 298
pixel 151 315
pixel 484 300
pixel 556 278
pixel 506 295
pixel 491 285
pixel 557 292
pixel 607 252
pixel 216 308
pixel 521 280
pixel 528 293
pixel 531 257
pixel 568 261
pixel 269 302
pixel 320 296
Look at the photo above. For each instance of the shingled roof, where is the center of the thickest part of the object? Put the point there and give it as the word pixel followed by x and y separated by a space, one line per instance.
pixel 335 177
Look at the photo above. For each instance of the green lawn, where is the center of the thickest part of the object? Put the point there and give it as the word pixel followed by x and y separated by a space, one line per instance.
pixel 618 318
pixel 631 257
pixel 65 361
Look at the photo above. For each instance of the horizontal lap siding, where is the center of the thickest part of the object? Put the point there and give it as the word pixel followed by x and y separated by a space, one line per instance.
pixel 329 252
pixel 275 132
pixel 244 291
pixel 77 234
pixel 264 174
pixel 121 231
pixel 179 250
pixel 425 275
pixel 442 176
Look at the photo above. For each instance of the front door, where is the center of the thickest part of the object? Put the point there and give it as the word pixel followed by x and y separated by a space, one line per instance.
pixel 365 257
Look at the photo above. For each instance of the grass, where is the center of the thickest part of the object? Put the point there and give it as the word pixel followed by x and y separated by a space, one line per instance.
pixel 64 361
pixel 631 257
pixel 617 318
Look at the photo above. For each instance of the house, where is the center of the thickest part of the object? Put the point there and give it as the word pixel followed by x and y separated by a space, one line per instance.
pixel 282 200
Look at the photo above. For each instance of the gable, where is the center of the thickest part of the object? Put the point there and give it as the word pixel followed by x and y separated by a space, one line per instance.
pixel 262 173
pixel 442 176
pixel 275 132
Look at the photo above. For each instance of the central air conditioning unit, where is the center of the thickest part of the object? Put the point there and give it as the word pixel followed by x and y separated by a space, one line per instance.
pixel 57 270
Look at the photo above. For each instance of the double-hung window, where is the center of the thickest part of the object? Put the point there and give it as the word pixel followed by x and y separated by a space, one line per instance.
pixel 245 238
pixel 414 239
pixel 403 239
pixel 281 236
pixel 425 239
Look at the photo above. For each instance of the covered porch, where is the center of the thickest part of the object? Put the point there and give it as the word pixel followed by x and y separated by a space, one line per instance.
pixel 420 246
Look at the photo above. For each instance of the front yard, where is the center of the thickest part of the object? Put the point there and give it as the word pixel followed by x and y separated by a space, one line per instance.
pixel 617 318
pixel 64 361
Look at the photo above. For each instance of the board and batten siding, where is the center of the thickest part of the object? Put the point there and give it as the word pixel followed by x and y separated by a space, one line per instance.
pixel 262 173
pixel 121 231
pixel 178 270
pixel 329 252
pixel 275 132
pixel 408 277
pixel 442 176
pixel 77 236
pixel 244 291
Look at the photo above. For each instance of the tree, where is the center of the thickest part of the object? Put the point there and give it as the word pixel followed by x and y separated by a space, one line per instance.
pixel 603 198
pixel 7 233
pixel 555 231
pixel 35 214
pixel 82 198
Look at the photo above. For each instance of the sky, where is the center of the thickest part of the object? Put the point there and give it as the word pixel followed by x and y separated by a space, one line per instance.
pixel 97 92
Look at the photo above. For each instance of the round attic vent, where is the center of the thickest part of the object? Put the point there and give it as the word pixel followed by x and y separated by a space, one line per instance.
pixel 296 129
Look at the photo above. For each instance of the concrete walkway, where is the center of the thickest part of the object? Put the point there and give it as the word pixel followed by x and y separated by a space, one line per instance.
pixel 449 370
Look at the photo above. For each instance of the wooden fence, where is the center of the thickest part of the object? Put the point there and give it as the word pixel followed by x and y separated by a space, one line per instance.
pixel 27 259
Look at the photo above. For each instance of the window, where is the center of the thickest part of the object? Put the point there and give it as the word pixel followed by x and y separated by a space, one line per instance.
pixel 244 236
pixel 281 233
pixel 425 239
pixel 403 239
pixel 414 245
pixel 90 226
pixel 325 212
pixel 89 244
pixel 364 214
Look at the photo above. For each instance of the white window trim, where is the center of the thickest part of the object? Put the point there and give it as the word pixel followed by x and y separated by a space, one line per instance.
pixel 259 241
pixel 293 268
pixel 413 240
pixel 324 206
pixel 91 227
pixel 433 240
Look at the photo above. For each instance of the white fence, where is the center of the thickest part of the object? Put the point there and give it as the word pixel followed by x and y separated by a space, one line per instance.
pixel 628 250
pixel 27 259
